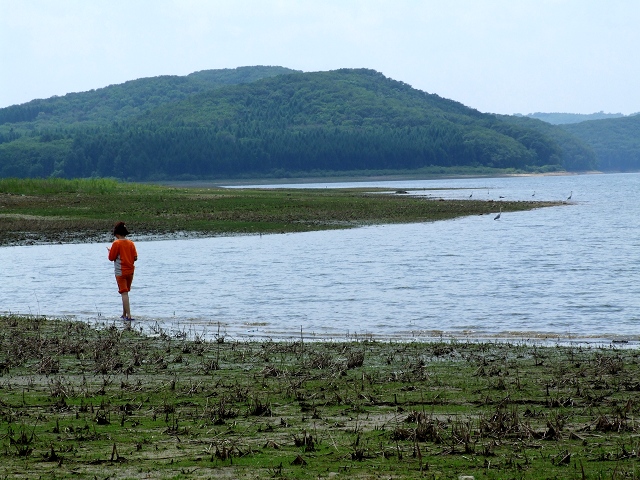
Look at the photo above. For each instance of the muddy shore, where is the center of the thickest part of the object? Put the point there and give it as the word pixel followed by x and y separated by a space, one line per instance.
pixel 107 402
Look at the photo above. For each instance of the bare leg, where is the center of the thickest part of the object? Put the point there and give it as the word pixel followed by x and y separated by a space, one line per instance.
pixel 126 309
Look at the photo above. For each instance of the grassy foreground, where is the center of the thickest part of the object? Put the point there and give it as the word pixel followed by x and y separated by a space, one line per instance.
pixel 55 210
pixel 82 402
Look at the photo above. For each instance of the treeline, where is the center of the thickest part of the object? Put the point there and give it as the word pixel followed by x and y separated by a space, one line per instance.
pixel 557 118
pixel 180 152
pixel 125 101
pixel 616 142
pixel 575 153
pixel 291 123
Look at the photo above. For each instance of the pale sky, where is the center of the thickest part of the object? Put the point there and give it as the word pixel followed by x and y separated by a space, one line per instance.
pixel 498 56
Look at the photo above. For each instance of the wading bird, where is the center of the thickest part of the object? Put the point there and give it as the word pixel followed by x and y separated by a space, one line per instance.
pixel 570 195
pixel 498 215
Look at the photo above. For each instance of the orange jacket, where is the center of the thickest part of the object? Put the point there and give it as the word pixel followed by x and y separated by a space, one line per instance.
pixel 123 253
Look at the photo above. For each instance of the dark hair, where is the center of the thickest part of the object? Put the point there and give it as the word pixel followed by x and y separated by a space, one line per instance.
pixel 120 229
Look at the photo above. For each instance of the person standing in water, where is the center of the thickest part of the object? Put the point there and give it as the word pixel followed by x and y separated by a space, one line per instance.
pixel 123 253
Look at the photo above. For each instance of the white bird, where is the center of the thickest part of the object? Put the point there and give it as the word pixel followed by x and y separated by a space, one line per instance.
pixel 498 215
pixel 570 195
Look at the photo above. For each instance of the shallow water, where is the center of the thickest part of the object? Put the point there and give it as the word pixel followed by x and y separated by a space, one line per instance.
pixel 566 273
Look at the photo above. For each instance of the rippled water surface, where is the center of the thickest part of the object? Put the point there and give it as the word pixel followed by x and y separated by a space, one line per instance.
pixel 568 272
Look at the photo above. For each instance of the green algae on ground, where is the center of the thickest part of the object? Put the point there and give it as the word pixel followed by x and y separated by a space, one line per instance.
pixel 54 210
pixel 84 402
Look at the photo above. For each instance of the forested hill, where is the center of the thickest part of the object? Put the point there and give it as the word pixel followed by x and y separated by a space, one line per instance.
pixel 616 141
pixel 129 99
pixel 292 123
pixel 565 118
pixel 577 154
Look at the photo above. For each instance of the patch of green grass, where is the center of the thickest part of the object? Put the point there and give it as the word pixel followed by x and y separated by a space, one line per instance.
pixel 49 186
pixel 79 402
pixel 85 210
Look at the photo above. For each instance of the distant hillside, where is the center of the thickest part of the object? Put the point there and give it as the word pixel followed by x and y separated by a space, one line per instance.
pixel 565 118
pixel 616 141
pixel 577 154
pixel 269 121
pixel 126 100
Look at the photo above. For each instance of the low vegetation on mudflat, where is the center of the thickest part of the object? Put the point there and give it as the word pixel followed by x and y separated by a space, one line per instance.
pixel 78 402
pixel 56 210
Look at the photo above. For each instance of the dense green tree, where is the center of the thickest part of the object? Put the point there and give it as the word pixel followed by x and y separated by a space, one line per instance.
pixel 267 121
pixel 572 153
pixel 615 141
pixel 565 118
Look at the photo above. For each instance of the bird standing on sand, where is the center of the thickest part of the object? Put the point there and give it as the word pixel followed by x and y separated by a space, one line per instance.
pixel 498 215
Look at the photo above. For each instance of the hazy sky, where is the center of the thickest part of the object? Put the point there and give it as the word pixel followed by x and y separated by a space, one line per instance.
pixel 500 56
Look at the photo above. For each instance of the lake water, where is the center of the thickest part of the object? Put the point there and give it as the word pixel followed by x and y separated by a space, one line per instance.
pixel 561 274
